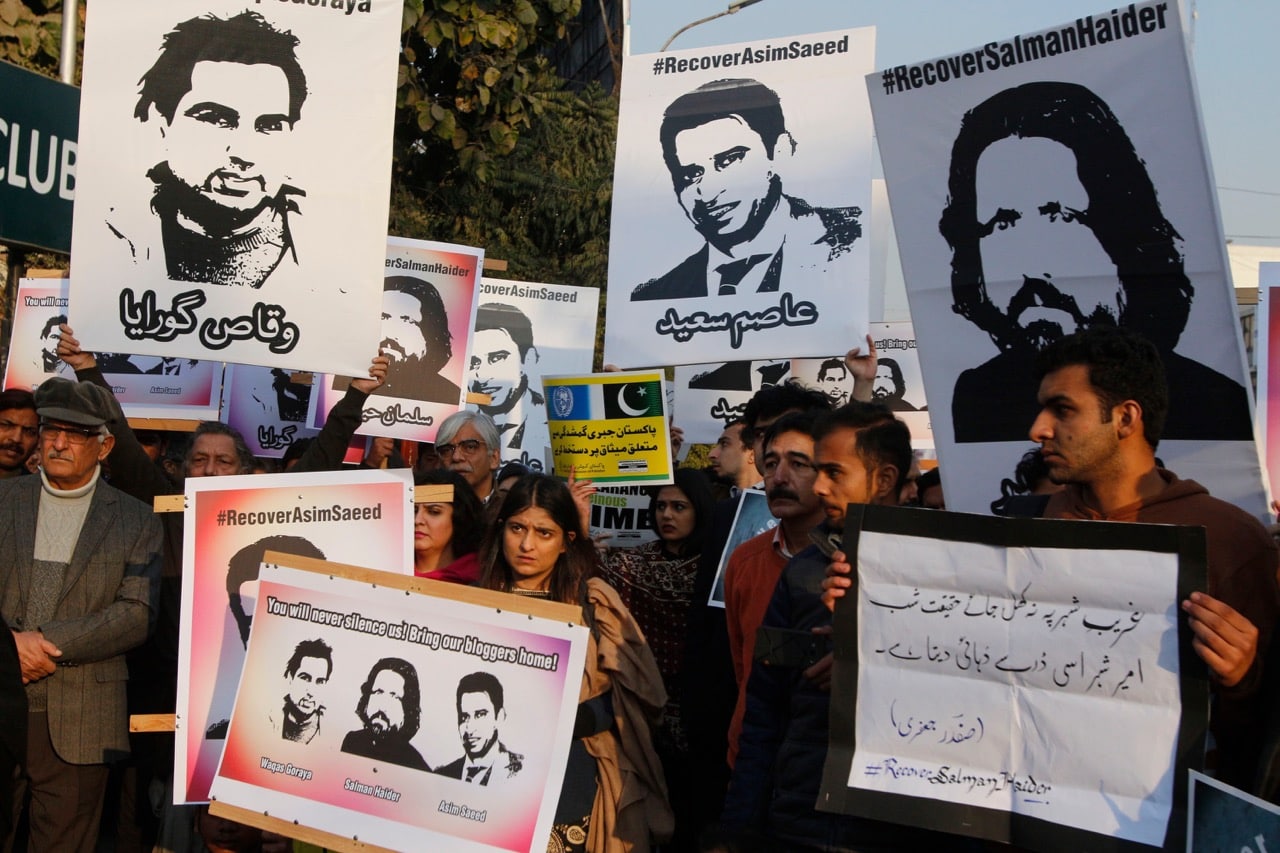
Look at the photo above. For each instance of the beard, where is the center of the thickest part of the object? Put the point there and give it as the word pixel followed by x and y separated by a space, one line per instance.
pixel 1039 333
pixel 173 196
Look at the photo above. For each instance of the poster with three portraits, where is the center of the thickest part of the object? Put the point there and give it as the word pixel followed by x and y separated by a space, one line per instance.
pixel 233 180
pixel 741 202
pixel 1052 181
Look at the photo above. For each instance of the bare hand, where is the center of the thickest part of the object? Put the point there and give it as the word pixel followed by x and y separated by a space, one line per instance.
pixel 838 579
pixel 379 452
pixel 36 655
pixel 1226 641
pixel 377 376
pixel 863 370
pixel 582 490
pixel 677 441
pixel 69 350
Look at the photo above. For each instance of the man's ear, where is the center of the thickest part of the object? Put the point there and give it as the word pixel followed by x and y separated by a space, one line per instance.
pixel 495 460
pixel 884 484
pixel 1128 419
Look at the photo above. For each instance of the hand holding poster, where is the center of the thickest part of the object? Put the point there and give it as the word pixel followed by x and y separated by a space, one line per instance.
pixel 233 179
pixel 406 721
pixel 1023 680
pixel 361 517
pixel 742 189
pixel 610 427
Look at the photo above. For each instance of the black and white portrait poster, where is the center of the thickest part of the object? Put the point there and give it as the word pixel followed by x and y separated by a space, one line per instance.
pixel 145 386
pixel 1054 181
pixel 429 296
pixel 897 384
pixel 709 397
pixel 233 178
pixel 741 202
pixel 523 331
pixel 409 721
pixel 267 407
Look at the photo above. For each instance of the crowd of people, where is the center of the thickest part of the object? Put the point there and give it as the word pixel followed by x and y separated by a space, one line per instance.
pixel 698 728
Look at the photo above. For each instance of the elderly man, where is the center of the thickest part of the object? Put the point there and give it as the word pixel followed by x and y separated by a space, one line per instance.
pixel 82 561
pixel 17 431
pixel 468 443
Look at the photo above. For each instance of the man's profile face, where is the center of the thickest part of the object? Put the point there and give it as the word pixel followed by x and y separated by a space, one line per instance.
pixel 883 387
pixel 728 457
pixel 477 723
pixel 228 132
pixel 1030 198
pixel 402 326
pixel 1076 433
pixel 312 673
pixel 724 178
pixel 384 712
pixel 842 477
pixel 496 368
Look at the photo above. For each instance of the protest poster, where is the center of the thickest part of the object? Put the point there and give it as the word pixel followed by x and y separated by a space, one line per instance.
pixel 1022 680
pixel 358 517
pixel 711 396
pixel 620 514
pixel 1052 181
pixel 267 407
pixel 751 519
pixel 1220 817
pixel 146 386
pixel 233 178
pixel 1267 345
pixel 610 427
pixel 524 331
pixel 395 697
pixel 725 156
pixel 428 306
pixel 897 384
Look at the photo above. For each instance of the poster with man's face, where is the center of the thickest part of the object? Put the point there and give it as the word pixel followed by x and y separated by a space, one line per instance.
pixel 524 331
pixel 356 517
pixel 146 386
pixel 741 202
pixel 429 298
pixel 267 407
pixel 709 397
pixel 233 177
pixel 1051 182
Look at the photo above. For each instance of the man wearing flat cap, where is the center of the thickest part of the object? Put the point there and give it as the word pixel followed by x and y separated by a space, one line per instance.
pixel 79 562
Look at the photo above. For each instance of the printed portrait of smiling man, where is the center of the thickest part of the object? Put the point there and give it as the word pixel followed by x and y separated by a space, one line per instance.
pixel 502 357
pixel 224 96
pixel 725 145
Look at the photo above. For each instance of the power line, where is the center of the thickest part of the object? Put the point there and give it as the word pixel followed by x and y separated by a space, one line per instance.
pixel 1243 190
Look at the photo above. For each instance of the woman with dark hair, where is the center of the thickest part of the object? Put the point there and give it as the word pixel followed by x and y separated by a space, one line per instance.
pixel 446 536
pixel 656 581
pixel 613 798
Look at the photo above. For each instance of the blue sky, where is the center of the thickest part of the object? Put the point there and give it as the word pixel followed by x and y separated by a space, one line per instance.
pixel 1239 86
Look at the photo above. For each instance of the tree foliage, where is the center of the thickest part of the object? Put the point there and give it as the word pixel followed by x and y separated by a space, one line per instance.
pixel 31 34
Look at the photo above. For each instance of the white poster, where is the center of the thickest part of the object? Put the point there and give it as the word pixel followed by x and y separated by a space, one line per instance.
pixel 267 407
pixel 233 177
pixel 741 202
pixel 709 397
pixel 429 298
pixel 1266 348
pixel 897 384
pixel 145 386
pixel 524 331
pixel 1054 181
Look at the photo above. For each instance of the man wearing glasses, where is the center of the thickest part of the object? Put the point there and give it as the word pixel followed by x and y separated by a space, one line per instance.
pixel 468 443
pixel 17 431
pixel 83 562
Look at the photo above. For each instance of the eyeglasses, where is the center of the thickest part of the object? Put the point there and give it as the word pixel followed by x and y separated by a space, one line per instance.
pixel 74 435
pixel 27 432
pixel 467 446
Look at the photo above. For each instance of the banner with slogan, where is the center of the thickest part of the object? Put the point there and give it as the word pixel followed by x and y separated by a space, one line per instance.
pixel 1020 680
pixel 741 202
pixel 146 386
pixel 898 383
pixel 711 396
pixel 1220 817
pixel 233 180
pixel 610 427
pixel 267 407
pixel 357 517
pixel 410 721
pixel 620 515
pixel 524 331
pixel 1051 181
pixel 1267 346
pixel 428 306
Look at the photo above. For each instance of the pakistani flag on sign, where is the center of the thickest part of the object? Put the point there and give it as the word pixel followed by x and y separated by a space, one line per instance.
pixel 633 400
